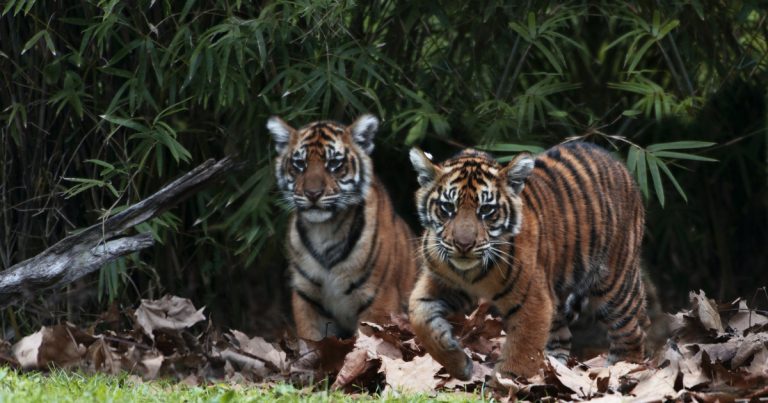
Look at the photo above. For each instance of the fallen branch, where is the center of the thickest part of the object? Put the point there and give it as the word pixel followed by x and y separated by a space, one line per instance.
pixel 85 252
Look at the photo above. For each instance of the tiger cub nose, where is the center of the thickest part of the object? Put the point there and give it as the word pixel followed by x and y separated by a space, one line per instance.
pixel 313 194
pixel 464 245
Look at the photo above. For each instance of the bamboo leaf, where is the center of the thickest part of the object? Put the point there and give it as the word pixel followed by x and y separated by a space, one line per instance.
pixel 632 159
pixel 679 145
pixel 532 25
pixel 683 156
pixel 672 179
pixel 658 187
pixel 132 124
pixel 32 41
pixel 515 148
pixel 638 56
pixel 642 174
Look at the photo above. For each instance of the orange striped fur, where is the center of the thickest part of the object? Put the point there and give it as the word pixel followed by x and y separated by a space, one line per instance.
pixel 541 239
pixel 349 252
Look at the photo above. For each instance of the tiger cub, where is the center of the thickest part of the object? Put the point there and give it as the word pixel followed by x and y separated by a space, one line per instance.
pixel 541 239
pixel 350 254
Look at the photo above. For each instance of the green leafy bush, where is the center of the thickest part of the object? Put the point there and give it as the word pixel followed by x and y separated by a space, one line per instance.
pixel 104 101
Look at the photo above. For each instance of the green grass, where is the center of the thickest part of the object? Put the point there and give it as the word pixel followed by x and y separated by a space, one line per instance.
pixel 64 386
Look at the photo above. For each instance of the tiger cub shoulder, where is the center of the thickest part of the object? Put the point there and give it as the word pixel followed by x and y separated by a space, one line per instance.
pixel 350 255
pixel 541 238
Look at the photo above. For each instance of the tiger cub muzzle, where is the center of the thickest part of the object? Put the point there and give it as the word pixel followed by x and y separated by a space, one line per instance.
pixel 467 238
pixel 315 189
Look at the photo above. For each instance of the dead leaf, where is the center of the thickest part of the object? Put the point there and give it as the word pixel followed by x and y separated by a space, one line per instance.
pixel 259 348
pixel 706 311
pixel 103 358
pixel 168 313
pixel 61 345
pixel 331 353
pixel 745 318
pixel 360 367
pixel 25 351
pixel 152 366
pixel 759 365
pixel 378 346
pixel 576 380
pixel 413 376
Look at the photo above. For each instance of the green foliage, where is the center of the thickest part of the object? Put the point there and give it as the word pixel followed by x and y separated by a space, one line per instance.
pixel 102 102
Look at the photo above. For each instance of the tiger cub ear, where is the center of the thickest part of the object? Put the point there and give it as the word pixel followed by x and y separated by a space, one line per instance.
pixel 363 130
pixel 517 171
pixel 281 132
pixel 424 166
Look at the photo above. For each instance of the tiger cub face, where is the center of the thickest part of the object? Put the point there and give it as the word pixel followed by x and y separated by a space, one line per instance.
pixel 470 206
pixel 323 167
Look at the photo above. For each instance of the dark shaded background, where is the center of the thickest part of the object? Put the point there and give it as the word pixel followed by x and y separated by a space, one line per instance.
pixel 101 103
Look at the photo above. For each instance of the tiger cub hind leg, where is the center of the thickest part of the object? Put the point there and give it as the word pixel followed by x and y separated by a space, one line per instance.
pixel 559 343
pixel 623 312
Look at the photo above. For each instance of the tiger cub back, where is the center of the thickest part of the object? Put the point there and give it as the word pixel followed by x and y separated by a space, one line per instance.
pixel 350 254
pixel 541 239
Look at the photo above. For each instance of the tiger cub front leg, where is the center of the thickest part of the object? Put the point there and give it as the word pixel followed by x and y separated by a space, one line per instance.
pixel 527 319
pixel 430 304
pixel 310 324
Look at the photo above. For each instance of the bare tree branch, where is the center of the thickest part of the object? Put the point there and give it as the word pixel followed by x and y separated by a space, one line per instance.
pixel 85 252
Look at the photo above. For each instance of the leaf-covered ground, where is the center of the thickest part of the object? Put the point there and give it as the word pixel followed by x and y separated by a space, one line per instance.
pixel 715 352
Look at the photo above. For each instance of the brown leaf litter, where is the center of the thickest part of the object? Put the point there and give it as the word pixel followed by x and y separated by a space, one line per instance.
pixel 716 352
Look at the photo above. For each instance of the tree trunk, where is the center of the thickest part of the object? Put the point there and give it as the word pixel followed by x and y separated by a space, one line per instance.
pixel 85 252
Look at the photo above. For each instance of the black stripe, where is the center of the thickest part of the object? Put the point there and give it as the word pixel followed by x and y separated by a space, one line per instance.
pixel 578 257
pixel 369 263
pixel 318 306
pixel 506 290
pixel 588 201
pixel 600 193
pixel 560 341
pixel 513 310
pixel 365 305
pixel 483 272
pixel 433 318
pixel 426 299
pixel 456 301
pixel 368 267
pixel 628 333
pixel 626 318
pixel 630 338
pixel 306 275
pixel 302 230
pixel 553 185
pixel 341 251
pixel 615 271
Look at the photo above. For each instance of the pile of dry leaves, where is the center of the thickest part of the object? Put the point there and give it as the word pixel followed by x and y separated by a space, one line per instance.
pixel 715 352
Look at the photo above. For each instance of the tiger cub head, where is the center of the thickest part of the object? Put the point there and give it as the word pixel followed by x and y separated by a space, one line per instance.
pixel 323 167
pixel 470 206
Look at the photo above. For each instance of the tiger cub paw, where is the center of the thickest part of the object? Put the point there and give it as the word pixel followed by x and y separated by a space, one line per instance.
pixel 459 365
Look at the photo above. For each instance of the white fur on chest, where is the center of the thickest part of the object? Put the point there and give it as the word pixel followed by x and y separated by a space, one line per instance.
pixel 335 281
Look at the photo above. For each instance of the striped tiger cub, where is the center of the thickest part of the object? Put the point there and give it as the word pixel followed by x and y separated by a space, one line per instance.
pixel 541 239
pixel 350 254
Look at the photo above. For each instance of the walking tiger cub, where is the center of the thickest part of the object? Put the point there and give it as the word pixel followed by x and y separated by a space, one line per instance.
pixel 541 239
pixel 350 254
